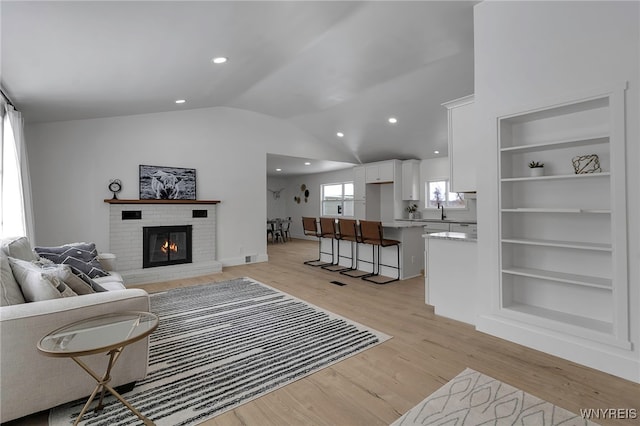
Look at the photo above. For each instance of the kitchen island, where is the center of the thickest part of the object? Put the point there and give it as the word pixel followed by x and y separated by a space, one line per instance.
pixel 411 250
pixel 451 274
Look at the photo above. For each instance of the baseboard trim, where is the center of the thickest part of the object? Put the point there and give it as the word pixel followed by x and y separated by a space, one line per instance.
pixel 242 260
pixel 609 359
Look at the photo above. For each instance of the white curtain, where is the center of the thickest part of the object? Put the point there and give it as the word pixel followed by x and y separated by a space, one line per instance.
pixel 16 212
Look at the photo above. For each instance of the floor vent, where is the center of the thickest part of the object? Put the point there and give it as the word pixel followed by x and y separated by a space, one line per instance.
pixel 338 283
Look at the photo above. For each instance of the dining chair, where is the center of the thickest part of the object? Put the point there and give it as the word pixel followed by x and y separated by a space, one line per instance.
pixel 286 225
pixel 274 228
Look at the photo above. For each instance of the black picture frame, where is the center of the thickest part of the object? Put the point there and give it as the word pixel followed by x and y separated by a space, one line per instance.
pixel 167 183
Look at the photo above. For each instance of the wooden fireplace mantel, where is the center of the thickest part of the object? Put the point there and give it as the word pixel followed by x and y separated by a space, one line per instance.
pixel 117 201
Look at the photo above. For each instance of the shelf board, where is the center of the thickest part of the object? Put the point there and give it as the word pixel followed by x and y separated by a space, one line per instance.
pixel 554 177
pixel 118 201
pixel 561 244
pixel 561 277
pixel 565 143
pixel 563 317
pixel 553 210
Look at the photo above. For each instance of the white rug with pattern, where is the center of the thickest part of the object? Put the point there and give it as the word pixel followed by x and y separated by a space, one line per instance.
pixel 473 399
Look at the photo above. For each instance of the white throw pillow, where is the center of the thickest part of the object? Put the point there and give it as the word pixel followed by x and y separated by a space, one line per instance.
pixel 10 293
pixel 64 274
pixel 19 248
pixel 35 285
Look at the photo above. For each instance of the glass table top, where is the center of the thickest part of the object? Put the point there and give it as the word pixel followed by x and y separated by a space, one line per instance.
pixel 98 334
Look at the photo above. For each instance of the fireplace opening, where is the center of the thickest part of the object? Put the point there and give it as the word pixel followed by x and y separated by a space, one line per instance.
pixel 166 245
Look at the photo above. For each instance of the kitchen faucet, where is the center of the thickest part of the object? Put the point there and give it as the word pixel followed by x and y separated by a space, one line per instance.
pixel 442 215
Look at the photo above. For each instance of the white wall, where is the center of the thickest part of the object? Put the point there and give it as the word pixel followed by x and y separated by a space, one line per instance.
pixel 72 162
pixel 531 52
pixel 277 207
pixel 311 208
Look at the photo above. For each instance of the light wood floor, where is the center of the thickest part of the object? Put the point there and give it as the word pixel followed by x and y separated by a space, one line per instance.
pixel 426 351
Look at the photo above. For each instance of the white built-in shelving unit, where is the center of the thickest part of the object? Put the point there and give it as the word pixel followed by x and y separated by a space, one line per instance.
pixel 563 235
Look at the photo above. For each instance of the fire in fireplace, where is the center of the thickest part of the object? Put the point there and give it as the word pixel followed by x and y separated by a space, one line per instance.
pixel 166 245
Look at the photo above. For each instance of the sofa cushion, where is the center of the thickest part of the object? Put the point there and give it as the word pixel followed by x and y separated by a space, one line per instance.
pixel 36 285
pixel 18 248
pixel 80 256
pixel 111 282
pixel 10 293
pixel 64 274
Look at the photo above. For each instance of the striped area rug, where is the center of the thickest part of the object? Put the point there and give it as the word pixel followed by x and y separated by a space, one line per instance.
pixel 223 344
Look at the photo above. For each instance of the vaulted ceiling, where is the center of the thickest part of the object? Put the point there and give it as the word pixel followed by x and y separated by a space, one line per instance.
pixel 325 66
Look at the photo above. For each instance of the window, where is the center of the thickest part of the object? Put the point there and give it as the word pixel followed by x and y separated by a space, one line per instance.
pixel 437 194
pixel 12 217
pixel 337 199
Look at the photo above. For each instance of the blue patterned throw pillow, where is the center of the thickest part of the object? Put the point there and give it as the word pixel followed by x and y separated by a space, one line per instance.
pixel 81 257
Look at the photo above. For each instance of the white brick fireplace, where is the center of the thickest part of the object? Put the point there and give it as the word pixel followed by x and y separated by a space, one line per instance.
pixel 127 219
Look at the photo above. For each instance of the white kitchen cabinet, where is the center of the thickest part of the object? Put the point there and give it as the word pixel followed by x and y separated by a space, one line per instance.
pixel 467 228
pixel 411 180
pixel 382 172
pixel 430 227
pixel 462 145
pixel 451 284
pixel 563 236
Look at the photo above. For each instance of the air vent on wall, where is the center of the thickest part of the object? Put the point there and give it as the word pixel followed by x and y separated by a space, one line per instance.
pixel 131 214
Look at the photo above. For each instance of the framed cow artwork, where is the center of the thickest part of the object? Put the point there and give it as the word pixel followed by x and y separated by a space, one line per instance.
pixel 167 183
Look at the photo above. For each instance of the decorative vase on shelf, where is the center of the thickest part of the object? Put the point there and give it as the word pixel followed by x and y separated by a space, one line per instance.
pixel 537 171
pixel 537 168
pixel 412 215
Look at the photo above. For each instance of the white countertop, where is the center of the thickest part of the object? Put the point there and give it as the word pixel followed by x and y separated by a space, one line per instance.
pixel 402 224
pixel 454 236
pixel 423 221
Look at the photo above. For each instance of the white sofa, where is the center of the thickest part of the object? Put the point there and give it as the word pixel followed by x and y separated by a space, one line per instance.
pixel 31 382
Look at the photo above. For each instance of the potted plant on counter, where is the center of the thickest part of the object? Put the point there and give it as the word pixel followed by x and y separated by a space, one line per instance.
pixel 537 168
pixel 411 208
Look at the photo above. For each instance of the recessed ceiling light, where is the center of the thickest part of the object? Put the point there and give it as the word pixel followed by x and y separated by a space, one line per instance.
pixel 436 152
pixel 393 120
pixel 180 101
pixel 307 163
pixel 278 170
pixel 340 135
pixel 219 60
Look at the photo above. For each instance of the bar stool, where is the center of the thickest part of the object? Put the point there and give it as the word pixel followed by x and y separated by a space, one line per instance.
pixel 371 233
pixel 310 227
pixel 349 232
pixel 328 230
pixel 356 273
